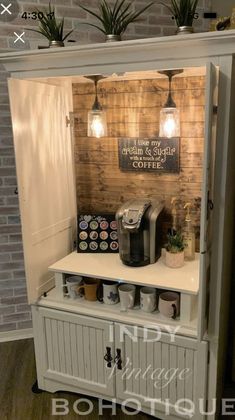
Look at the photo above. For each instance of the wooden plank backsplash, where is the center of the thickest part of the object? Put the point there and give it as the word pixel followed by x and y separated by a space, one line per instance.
pixel 133 109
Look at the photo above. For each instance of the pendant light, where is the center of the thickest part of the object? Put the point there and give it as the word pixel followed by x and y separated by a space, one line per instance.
pixel 97 123
pixel 169 114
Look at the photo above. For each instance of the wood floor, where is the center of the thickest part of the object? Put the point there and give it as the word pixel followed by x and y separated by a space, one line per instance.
pixel 17 402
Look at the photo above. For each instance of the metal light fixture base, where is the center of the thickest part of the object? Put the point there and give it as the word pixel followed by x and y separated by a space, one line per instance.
pixel 95 77
pixel 170 74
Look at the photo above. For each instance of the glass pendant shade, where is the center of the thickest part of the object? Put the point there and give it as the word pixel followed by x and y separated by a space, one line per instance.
pixel 169 122
pixel 169 125
pixel 97 123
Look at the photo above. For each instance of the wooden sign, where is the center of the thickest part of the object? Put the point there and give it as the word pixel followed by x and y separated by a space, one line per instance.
pixel 149 155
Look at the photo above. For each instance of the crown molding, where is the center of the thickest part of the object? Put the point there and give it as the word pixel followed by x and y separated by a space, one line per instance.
pixel 90 58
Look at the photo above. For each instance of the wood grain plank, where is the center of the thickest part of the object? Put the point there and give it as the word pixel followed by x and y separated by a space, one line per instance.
pixel 142 115
pixel 196 97
pixel 133 109
pixel 188 129
pixel 149 85
pixel 188 145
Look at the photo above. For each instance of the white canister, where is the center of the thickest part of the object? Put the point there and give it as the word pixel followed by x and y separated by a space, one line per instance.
pixel 127 296
pixel 148 299
pixel 108 293
pixel 72 284
pixel 169 304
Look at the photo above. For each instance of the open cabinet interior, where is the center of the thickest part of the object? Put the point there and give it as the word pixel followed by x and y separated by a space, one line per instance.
pixel 133 103
pixel 85 170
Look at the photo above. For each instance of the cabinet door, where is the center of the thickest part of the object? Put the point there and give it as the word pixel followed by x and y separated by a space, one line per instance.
pixel 44 163
pixel 159 370
pixel 70 351
pixel 207 194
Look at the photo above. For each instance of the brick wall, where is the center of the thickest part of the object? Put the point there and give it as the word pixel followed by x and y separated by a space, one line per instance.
pixel 14 312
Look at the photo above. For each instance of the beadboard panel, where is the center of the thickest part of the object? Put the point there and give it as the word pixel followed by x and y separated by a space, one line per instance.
pixel 73 349
pixel 133 108
pixel 152 368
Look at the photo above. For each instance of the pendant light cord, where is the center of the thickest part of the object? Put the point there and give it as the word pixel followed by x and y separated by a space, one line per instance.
pixel 170 102
pixel 96 106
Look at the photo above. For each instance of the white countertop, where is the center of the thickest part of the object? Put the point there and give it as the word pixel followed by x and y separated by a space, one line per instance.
pixel 110 267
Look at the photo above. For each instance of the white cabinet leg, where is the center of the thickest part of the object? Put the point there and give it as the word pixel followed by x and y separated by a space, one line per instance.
pixel 59 281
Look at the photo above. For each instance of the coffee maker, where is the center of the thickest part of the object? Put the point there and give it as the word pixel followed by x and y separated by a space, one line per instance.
pixel 140 232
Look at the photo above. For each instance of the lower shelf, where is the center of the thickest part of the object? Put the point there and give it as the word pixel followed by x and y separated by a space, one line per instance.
pixel 134 316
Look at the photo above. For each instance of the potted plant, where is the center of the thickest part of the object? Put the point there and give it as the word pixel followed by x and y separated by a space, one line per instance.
pixel 114 19
pixel 52 28
pixel 175 250
pixel 184 13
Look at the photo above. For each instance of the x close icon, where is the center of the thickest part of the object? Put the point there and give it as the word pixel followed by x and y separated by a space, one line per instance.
pixel 19 37
pixel 6 9
pixel 9 10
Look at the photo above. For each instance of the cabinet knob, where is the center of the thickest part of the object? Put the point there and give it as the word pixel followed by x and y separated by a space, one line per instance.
pixel 118 359
pixel 108 358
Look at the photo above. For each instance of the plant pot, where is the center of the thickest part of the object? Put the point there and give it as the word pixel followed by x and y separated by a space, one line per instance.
pixel 113 38
pixel 184 30
pixel 174 260
pixel 56 44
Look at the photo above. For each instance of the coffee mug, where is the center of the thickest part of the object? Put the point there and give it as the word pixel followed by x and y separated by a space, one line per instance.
pixel 148 299
pixel 90 288
pixel 169 304
pixel 127 296
pixel 72 284
pixel 108 293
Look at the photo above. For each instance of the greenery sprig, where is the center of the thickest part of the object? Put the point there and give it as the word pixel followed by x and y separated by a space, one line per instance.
pixel 183 11
pixel 50 27
pixel 114 19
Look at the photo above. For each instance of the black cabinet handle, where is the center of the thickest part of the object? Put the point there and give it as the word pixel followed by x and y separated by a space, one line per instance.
pixel 118 359
pixel 108 358
pixel 175 311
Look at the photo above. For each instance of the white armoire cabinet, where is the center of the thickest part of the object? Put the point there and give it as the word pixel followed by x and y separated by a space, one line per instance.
pixel 88 348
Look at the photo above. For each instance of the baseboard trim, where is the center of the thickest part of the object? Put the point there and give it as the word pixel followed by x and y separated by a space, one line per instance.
pixel 16 335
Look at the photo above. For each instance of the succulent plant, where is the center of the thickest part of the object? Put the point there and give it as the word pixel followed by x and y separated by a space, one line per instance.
pixel 175 243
